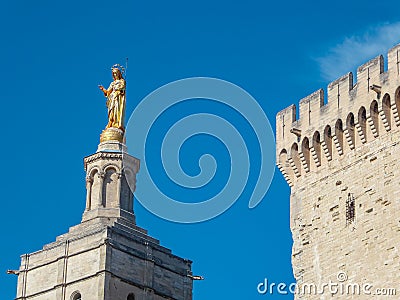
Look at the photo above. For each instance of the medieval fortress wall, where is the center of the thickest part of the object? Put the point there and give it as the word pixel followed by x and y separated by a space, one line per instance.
pixel 342 161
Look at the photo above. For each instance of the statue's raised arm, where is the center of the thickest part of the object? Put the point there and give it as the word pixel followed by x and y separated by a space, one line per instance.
pixel 116 99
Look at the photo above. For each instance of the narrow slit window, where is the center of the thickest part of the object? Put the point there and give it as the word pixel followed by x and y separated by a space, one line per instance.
pixel 350 209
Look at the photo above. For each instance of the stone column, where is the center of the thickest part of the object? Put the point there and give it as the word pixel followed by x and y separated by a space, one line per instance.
pixel 89 183
pixel 119 178
pixel 101 183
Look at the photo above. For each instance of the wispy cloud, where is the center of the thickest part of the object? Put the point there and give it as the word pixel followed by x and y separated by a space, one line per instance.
pixel 357 49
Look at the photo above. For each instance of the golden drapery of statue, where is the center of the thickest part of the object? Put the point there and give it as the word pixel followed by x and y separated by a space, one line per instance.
pixel 116 102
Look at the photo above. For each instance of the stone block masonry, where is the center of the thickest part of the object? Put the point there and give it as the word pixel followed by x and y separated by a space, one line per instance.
pixel 341 160
pixel 107 256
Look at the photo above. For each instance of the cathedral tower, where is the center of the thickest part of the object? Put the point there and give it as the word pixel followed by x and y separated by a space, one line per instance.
pixel 106 256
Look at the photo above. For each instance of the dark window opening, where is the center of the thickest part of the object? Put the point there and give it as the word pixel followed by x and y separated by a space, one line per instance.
pixel 76 296
pixel 131 296
pixel 350 209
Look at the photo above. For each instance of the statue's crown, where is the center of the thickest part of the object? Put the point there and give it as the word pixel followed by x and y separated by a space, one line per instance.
pixel 119 67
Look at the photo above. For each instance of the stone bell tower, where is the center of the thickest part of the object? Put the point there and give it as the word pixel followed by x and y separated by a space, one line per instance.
pixel 106 256
pixel 110 180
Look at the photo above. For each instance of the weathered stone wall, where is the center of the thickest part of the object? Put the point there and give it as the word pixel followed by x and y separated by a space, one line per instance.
pixel 104 263
pixel 106 256
pixel 335 153
pixel 60 268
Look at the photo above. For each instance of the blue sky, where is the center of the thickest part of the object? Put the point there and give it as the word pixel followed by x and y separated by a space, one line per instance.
pixel 55 53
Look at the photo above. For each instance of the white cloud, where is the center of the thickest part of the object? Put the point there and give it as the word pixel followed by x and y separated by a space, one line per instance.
pixel 358 49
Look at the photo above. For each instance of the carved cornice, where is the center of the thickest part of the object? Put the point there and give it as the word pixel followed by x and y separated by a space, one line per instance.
pixel 112 156
pixel 101 156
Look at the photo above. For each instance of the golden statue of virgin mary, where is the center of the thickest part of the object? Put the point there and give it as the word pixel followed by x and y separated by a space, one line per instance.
pixel 116 99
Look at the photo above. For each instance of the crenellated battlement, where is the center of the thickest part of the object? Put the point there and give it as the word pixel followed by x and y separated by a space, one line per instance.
pixel 354 114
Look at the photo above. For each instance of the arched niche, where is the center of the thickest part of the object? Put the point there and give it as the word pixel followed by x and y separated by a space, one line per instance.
pixel 386 107
pixel 362 121
pixel 305 149
pixel 294 156
pixel 339 136
pixel 350 126
pixel 110 188
pixel 328 141
pixel 374 113
pixel 316 143
pixel 95 190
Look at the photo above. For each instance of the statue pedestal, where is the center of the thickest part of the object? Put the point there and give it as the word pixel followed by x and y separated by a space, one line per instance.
pixel 112 134
pixel 112 146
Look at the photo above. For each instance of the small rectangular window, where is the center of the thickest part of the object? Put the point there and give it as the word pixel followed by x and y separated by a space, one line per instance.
pixel 350 209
